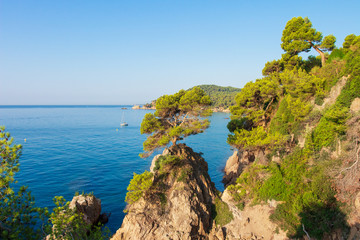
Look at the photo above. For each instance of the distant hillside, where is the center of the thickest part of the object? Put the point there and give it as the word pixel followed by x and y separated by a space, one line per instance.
pixel 221 96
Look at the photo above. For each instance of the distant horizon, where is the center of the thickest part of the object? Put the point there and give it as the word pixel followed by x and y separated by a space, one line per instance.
pixel 70 105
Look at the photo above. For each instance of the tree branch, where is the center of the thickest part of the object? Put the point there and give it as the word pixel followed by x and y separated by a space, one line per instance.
pixel 307 234
pixel 357 160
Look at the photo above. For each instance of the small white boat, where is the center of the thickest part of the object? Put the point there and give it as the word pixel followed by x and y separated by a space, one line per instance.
pixel 123 123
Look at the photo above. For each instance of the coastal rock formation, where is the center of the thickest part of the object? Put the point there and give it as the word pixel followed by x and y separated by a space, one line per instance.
pixel 89 206
pixel 179 204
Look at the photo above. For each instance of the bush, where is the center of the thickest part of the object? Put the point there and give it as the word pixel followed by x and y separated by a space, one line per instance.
pixel 167 160
pixel 336 54
pixel 138 186
pixel 20 218
pixel 331 125
pixel 221 213
pixel 69 224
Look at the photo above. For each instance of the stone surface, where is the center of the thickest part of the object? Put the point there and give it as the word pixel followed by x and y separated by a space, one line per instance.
pixel 238 161
pixel 251 223
pixel 334 93
pixel 90 206
pixel 152 166
pixel 355 105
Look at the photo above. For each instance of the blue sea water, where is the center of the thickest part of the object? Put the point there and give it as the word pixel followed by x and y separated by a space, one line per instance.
pixel 83 148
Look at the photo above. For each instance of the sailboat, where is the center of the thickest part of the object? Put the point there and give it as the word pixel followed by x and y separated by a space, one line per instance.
pixel 123 123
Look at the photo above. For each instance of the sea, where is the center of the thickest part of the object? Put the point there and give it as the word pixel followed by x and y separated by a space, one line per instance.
pixel 68 149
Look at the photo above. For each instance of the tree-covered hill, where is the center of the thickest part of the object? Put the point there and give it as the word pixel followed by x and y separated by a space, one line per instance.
pixel 223 97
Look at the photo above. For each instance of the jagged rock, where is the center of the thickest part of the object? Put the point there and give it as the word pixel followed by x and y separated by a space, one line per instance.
pixel 186 211
pixel 334 93
pixel 90 206
pixel 232 169
pixel 153 162
pixel 238 161
pixel 355 105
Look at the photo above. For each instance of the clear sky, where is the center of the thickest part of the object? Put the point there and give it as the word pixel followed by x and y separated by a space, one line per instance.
pixel 129 52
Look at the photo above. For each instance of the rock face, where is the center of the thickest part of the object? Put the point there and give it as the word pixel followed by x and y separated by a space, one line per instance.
pixel 90 207
pixel 237 162
pixel 355 105
pixel 252 222
pixel 182 210
pixel 334 93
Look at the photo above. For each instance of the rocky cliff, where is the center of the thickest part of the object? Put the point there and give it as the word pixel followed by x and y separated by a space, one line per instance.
pixel 179 203
pixel 182 203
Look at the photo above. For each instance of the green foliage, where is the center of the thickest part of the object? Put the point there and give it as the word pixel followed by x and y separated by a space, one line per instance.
pixel 274 66
pixel 221 213
pixel 256 99
pixel 220 96
pixel 237 124
pixel 69 224
pixel 256 138
pixel 138 186
pixel 176 116
pixel 298 186
pixel 328 43
pixel 248 183
pixel 336 54
pixel 19 217
pixel 299 36
pixel 278 106
pixel 350 40
pixel 166 161
pixel 300 84
pixel 283 121
pixel 311 62
pixel 292 61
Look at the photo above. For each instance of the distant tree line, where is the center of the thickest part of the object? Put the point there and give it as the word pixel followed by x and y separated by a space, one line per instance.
pixel 220 96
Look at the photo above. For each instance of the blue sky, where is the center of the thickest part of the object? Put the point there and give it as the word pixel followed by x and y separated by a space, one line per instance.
pixel 129 52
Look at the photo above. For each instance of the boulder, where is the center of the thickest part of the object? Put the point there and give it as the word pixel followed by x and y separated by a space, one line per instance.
pixel 88 205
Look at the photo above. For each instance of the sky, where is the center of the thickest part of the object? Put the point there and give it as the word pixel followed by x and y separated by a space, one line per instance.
pixel 131 52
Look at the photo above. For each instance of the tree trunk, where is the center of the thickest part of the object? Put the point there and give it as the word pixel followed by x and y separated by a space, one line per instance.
pixel 174 140
pixel 322 55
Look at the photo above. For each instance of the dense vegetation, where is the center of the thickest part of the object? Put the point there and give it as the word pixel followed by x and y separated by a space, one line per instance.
pixel 221 97
pixel 270 115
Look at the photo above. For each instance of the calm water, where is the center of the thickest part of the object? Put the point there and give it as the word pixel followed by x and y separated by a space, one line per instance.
pixel 78 148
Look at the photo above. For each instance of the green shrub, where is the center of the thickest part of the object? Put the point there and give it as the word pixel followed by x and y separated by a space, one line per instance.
pixel 167 160
pixel 138 186
pixel 331 125
pixel 69 224
pixel 336 54
pixel 221 213
pixel 240 205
